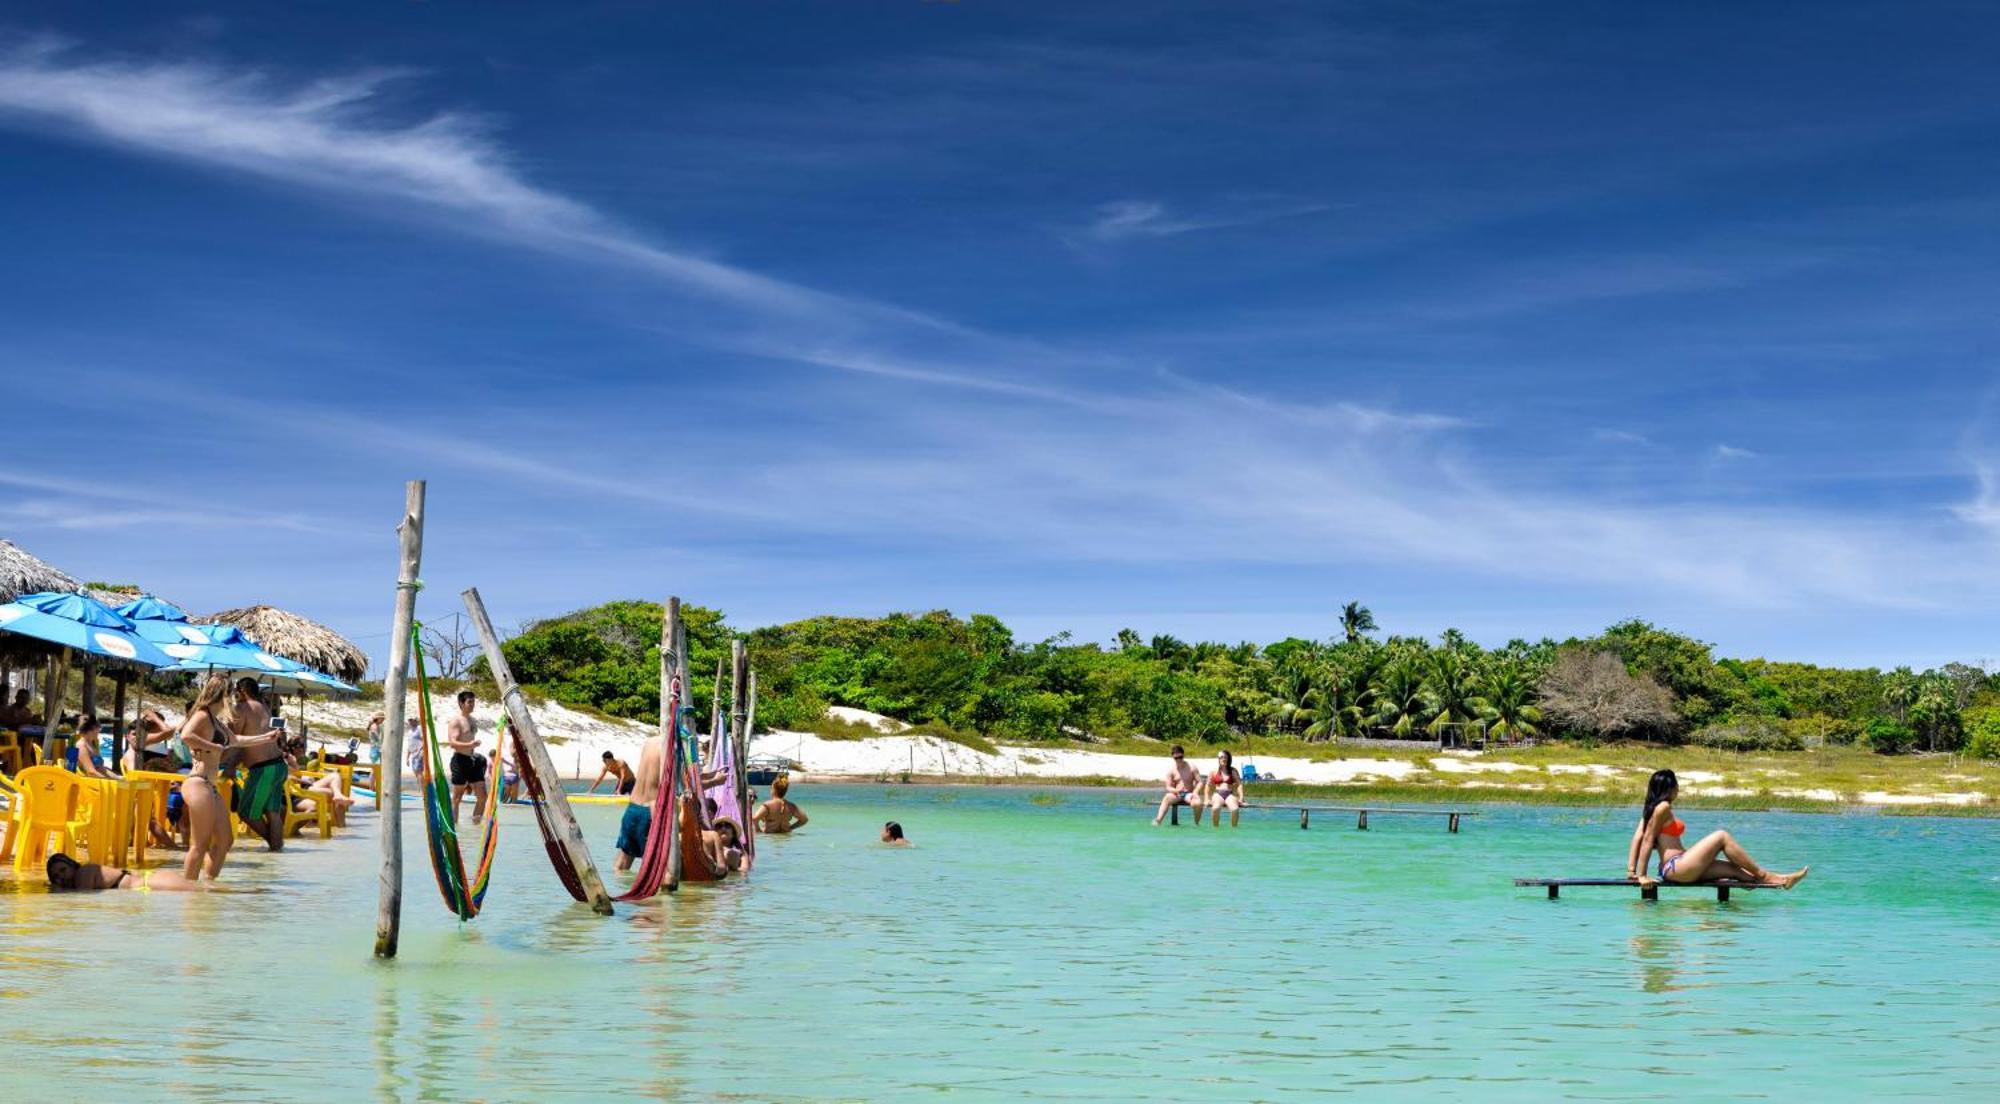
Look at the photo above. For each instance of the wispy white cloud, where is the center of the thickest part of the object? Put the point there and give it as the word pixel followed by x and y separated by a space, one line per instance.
pixel 1724 453
pixel 1619 437
pixel 1125 219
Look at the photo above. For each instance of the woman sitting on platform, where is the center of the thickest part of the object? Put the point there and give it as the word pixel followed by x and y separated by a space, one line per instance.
pixel 1714 856
pixel 1225 790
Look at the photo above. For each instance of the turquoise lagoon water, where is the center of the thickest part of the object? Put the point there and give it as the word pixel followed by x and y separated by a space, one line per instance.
pixel 1042 944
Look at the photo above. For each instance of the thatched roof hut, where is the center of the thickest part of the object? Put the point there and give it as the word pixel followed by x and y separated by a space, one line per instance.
pixel 21 573
pixel 297 639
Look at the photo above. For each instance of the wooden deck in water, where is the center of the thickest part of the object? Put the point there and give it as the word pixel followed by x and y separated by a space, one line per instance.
pixel 1649 893
pixel 1361 818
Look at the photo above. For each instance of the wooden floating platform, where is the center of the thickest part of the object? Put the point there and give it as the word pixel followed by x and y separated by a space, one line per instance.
pixel 1361 814
pixel 1649 893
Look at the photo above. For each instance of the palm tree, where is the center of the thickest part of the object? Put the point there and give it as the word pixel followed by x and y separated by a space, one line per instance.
pixel 1356 621
pixel 1334 704
pixel 1507 702
pixel 1899 691
pixel 1399 697
pixel 1291 695
pixel 1448 689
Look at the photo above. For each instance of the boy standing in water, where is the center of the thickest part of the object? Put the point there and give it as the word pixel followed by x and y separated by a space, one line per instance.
pixel 468 767
pixel 638 821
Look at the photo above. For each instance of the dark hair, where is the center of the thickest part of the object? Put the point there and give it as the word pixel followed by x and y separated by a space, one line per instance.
pixel 68 867
pixel 1227 758
pixel 464 694
pixel 894 829
pixel 709 804
pixel 735 838
pixel 87 723
pixel 247 685
pixel 1177 751
pixel 1659 788
pixel 607 757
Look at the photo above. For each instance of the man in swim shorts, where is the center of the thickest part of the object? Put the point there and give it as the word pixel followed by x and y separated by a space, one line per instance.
pixel 468 767
pixel 260 799
pixel 638 820
pixel 615 767
pixel 1183 787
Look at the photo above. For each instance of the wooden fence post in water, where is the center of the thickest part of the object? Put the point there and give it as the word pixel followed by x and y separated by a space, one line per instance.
pixel 673 659
pixel 568 836
pixel 395 682
pixel 739 674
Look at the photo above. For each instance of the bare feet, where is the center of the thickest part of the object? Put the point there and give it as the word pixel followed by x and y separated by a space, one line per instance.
pixel 1794 878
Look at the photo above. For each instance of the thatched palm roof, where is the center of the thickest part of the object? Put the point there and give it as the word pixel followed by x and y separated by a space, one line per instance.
pixel 21 573
pixel 295 638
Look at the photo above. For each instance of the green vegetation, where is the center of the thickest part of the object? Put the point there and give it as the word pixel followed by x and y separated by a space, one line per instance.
pixel 969 680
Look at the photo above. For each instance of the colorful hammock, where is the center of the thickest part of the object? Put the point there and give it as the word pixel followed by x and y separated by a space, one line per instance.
pixel 566 871
pixel 462 896
pixel 654 862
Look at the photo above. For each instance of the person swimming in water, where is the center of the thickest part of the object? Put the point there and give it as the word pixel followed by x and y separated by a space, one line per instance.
pixel 892 834
pixel 68 875
pixel 779 816
pixel 1713 856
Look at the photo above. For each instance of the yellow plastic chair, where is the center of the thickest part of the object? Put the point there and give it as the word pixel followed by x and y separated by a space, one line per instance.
pixel 322 812
pixel 51 797
pixel 98 811
pixel 15 815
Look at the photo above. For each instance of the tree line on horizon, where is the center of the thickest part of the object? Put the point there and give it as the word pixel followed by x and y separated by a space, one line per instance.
pixel 1633 681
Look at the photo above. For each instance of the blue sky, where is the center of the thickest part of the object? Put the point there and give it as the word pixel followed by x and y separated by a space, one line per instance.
pixel 1203 319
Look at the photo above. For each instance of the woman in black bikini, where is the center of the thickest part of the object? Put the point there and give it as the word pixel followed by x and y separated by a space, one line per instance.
pixel 1715 855
pixel 66 874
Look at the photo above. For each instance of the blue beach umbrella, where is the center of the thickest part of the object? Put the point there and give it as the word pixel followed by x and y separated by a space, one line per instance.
pixel 80 622
pixel 158 621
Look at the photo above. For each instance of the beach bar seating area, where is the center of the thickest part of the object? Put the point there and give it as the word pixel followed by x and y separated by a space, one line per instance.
pixel 99 780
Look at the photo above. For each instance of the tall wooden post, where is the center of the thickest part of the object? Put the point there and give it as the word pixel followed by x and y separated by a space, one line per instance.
pixel 89 683
pixel 568 836
pixel 118 719
pixel 715 705
pixel 739 674
pixel 395 684
pixel 673 661
pixel 52 702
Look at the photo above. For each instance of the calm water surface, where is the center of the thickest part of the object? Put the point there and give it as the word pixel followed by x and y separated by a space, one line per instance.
pixel 1044 944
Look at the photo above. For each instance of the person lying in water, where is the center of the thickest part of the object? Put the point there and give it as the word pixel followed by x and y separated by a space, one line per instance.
pixel 66 874
pixel 1713 856
pixel 779 816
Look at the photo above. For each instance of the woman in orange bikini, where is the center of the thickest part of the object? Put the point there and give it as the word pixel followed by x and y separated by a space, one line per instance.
pixel 1715 855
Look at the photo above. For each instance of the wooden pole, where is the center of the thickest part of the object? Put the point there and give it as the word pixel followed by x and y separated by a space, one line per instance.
pixel 715 704
pixel 395 684
pixel 739 691
pixel 568 836
pixel 673 660
pixel 89 683
pixel 118 719
pixel 52 703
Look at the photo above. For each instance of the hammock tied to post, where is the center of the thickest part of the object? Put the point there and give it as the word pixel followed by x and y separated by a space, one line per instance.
pixel 462 895
pixel 559 858
pixel 653 864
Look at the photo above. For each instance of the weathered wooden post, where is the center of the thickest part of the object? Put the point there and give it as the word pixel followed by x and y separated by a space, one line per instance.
pixel 673 662
pixel 1362 823
pixel 715 704
pixel 395 682
pixel 1305 819
pixel 118 682
pixel 739 716
pixel 89 683
pixel 1453 824
pixel 52 700
pixel 568 836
